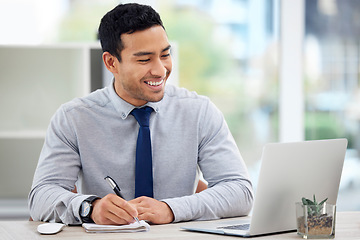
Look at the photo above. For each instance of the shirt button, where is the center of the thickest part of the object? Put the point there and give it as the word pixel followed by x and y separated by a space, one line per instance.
pixel 123 115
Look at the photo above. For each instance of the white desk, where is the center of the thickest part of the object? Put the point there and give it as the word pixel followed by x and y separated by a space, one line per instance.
pixel 347 227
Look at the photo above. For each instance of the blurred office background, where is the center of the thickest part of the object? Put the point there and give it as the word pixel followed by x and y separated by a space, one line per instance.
pixel 279 71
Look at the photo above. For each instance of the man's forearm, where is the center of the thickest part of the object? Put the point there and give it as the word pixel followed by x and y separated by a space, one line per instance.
pixel 55 204
pixel 227 199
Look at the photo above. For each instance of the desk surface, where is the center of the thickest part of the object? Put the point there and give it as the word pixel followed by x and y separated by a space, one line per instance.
pixel 347 227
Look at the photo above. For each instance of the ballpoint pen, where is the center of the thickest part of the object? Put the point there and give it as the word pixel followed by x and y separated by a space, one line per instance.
pixel 117 190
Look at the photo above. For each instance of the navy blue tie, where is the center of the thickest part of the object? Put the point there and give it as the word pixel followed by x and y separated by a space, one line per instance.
pixel 143 165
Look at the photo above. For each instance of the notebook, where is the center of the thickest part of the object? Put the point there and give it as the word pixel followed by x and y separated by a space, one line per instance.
pixel 289 171
pixel 142 226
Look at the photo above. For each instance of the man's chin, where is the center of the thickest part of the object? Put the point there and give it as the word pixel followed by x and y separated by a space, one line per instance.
pixel 156 98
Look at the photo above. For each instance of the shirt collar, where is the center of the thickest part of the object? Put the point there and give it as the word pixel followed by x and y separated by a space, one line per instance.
pixel 124 108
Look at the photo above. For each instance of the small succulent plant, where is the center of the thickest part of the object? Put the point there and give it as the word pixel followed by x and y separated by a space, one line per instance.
pixel 314 208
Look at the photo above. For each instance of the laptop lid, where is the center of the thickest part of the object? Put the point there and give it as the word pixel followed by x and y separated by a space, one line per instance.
pixel 290 171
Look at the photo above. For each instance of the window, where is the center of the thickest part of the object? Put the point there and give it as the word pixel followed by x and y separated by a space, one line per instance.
pixel 228 51
pixel 332 91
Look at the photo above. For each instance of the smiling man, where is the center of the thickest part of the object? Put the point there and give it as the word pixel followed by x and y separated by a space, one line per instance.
pixel 144 67
pixel 156 161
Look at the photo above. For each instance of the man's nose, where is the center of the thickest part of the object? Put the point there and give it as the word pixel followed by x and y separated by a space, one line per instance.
pixel 158 68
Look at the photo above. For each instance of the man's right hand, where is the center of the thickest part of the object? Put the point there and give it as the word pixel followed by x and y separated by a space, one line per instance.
pixel 113 210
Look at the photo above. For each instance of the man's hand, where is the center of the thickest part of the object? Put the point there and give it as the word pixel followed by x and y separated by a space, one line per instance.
pixel 152 210
pixel 113 210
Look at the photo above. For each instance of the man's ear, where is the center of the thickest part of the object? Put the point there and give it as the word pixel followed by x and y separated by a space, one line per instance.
pixel 110 62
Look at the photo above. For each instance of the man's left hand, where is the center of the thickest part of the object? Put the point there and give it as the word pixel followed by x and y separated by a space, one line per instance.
pixel 152 210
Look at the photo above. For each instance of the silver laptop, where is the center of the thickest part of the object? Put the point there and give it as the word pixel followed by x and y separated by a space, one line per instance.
pixel 289 171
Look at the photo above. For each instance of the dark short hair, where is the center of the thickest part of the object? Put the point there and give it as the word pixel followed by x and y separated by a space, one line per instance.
pixel 125 18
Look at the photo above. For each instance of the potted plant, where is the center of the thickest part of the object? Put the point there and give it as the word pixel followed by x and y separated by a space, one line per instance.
pixel 315 220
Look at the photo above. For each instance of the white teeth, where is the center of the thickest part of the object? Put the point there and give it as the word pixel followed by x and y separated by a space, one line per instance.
pixel 155 83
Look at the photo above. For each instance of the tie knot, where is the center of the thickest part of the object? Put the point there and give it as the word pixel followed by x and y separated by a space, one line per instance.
pixel 142 115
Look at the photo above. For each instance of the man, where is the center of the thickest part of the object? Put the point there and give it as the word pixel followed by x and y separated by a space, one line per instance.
pixel 96 136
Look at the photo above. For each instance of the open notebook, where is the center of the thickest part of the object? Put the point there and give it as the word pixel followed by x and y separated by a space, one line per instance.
pixel 142 226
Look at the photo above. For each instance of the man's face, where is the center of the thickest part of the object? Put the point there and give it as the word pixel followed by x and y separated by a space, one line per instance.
pixel 145 66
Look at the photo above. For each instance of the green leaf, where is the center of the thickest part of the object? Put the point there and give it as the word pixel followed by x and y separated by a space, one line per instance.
pixel 313 208
pixel 315 203
pixel 323 201
pixel 306 201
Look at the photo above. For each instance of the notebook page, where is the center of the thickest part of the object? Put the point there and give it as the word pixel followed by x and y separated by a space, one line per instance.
pixel 142 226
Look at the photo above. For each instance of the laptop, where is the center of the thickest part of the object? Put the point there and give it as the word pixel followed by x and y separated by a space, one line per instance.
pixel 289 171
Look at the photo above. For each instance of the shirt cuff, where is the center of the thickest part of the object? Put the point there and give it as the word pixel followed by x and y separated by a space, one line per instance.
pixel 178 209
pixel 76 208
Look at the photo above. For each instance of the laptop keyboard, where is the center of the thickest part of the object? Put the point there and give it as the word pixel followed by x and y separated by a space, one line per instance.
pixel 237 227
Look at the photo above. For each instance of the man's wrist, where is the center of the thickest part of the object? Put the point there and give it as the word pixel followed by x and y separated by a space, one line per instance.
pixel 86 209
pixel 171 213
pixel 94 206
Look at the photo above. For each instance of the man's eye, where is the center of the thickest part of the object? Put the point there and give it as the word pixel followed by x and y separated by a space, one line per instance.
pixel 143 60
pixel 166 55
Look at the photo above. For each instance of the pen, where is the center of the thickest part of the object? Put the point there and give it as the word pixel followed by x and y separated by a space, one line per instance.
pixel 117 190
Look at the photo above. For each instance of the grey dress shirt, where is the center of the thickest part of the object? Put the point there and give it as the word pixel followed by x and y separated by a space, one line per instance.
pixel 95 136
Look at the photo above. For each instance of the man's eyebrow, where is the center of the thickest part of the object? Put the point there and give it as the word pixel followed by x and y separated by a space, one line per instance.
pixel 166 49
pixel 139 54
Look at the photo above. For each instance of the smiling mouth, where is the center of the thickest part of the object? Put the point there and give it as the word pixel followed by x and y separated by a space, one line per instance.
pixel 151 83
